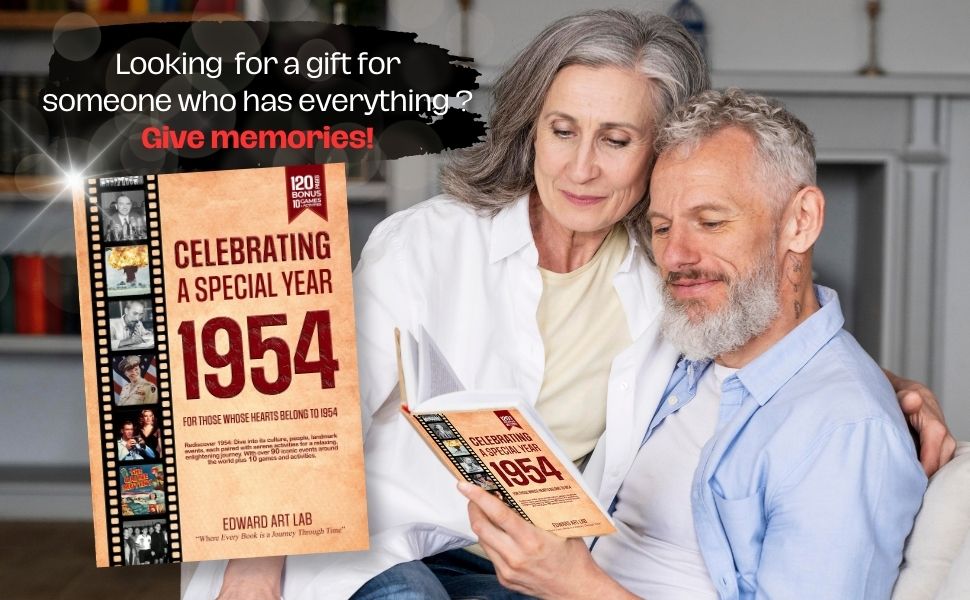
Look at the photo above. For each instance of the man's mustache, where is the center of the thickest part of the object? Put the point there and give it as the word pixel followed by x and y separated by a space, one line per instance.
pixel 675 276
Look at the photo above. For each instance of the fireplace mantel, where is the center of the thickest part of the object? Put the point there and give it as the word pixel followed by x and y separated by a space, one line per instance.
pixel 844 83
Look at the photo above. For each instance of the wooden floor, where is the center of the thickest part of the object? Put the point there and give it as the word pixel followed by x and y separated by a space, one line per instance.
pixel 55 561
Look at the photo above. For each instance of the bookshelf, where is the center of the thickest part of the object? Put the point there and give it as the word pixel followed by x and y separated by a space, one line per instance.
pixel 35 210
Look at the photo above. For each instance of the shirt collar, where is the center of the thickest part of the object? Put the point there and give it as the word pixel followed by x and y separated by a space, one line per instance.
pixel 510 230
pixel 631 252
pixel 765 375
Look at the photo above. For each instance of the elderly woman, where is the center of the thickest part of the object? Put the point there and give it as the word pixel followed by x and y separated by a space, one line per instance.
pixel 528 274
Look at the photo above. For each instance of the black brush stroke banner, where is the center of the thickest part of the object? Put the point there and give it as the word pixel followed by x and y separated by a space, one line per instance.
pixel 87 61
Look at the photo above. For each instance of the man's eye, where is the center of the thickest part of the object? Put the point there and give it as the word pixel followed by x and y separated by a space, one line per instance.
pixel 712 224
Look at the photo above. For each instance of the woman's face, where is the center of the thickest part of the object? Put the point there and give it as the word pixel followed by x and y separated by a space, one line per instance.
pixel 594 141
pixel 147 417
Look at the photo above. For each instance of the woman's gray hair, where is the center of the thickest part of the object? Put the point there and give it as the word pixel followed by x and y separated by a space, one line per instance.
pixel 784 146
pixel 493 174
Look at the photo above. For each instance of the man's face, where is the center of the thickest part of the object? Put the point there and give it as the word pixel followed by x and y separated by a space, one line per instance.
pixel 714 234
pixel 133 373
pixel 127 431
pixel 134 312
pixel 123 204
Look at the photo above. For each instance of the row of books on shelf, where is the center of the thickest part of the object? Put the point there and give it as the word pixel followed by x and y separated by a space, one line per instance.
pixel 38 295
pixel 132 6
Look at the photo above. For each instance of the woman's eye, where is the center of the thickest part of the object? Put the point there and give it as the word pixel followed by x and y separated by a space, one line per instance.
pixel 562 133
pixel 661 230
pixel 617 143
pixel 711 224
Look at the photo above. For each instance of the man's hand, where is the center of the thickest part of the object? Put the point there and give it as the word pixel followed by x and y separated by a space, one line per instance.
pixel 252 579
pixel 922 410
pixel 532 561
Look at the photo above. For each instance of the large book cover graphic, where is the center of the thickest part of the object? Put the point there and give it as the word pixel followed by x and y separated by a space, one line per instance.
pixel 496 441
pixel 220 365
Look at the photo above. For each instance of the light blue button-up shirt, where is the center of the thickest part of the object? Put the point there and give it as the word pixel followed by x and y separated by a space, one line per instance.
pixel 810 484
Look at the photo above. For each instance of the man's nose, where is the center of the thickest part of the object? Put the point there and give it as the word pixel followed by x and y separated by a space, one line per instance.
pixel 678 250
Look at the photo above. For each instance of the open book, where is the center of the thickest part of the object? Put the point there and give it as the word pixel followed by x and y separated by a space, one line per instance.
pixel 497 441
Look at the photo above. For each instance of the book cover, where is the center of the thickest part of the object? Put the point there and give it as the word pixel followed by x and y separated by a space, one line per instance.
pixel 8 322
pixel 495 440
pixel 53 294
pixel 220 365
pixel 30 306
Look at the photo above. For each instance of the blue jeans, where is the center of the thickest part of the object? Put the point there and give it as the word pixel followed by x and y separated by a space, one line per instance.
pixel 452 575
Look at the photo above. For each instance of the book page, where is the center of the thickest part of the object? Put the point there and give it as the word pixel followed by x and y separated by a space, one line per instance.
pixel 435 375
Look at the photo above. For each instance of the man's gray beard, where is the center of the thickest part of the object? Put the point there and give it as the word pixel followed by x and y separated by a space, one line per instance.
pixel 752 304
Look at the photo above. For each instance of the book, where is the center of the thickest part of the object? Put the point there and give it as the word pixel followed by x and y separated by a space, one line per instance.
pixel 8 321
pixel 220 365
pixel 54 322
pixel 497 441
pixel 30 312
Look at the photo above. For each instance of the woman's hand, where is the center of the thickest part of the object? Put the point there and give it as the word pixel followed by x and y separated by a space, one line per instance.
pixel 922 410
pixel 252 579
pixel 532 561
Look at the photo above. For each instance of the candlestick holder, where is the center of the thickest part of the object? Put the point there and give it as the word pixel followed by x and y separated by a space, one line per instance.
pixel 872 68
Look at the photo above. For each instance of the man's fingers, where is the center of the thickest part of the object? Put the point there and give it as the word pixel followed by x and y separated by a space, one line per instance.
pixel 497 512
pixel 508 533
pixel 491 537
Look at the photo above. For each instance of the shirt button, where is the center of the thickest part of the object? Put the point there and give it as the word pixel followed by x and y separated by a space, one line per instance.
pixel 623 386
pixel 673 400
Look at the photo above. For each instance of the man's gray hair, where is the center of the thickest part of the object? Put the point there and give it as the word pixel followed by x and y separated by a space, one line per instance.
pixel 783 144
pixel 494 173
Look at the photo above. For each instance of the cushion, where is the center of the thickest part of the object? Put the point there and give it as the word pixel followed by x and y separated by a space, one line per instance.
pixel 936 560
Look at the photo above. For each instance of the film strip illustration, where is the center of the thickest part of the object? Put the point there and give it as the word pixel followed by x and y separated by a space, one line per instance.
pixel 131 349
pixel 458 451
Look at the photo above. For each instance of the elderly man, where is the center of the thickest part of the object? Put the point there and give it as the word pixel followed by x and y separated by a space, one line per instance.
pixel 778 463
